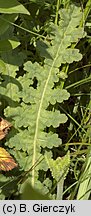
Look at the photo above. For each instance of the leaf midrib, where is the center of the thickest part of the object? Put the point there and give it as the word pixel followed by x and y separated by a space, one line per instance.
pixel 39 111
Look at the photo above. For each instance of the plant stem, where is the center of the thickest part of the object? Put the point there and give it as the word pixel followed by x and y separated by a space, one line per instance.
pixel 57 10
pixel 60 189
pixel 85 13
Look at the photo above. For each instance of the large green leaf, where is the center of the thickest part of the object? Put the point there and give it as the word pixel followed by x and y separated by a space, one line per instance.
pixel 4 22
pixel 12 6
pixel 37 116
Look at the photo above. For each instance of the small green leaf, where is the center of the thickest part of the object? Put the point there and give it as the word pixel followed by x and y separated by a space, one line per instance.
pixel 7 45
pixel 2 66
pixel 59 166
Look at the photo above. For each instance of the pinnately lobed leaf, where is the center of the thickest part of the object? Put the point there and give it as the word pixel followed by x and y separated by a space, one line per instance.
pixel 59 166
pixel 34 120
